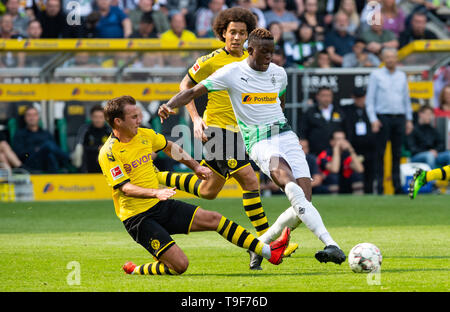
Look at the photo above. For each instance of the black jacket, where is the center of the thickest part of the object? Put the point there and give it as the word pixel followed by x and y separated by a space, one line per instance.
pixel 423 138
pixel 317 130
pixel 361 143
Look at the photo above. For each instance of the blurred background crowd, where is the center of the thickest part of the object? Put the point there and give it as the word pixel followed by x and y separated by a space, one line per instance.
pixel 339 141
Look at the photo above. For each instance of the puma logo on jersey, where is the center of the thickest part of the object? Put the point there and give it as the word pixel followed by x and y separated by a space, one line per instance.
pixel 245 79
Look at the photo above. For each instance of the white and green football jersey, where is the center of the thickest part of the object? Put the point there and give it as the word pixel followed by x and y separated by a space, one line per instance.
pixel 255 98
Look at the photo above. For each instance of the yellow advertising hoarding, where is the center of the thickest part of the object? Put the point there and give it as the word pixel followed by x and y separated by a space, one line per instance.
pixel 95 45
pixel 87 92
pixel 421 89
pixel 48 187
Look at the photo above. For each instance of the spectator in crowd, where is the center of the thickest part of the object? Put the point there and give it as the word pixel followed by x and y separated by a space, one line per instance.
pixel 82 59
pixel 322 60
pixel 82 8
pixel 340 165
pixel 370 7
pixel 20 19
pixel 9 59
pixel 34 29
pixel 348 7
pixel 441 78
pixel 148 59
pixel 279 57
pixel 8 159
pixel 320 121
pixel 394 18
pixel 359 133
pixel 52 19
pixel 95 136
pixel 146 27
pixel 389 109
pixel 276 30
pixel 425 143
pixel 206 16
pixel 312 18
pixel 36 147
pixel 89 27
pixel 186 7
pixel 305 48
pixel 278 13
pixel 360 57
pixel 444 103
pixel 417 30
pixel 252 6
pixel 113 23
pixel 125 5
pixel 338 41
pixel 178 30
pixel 316 175
pixel 377 37
pixel 160 20
pixel 7 30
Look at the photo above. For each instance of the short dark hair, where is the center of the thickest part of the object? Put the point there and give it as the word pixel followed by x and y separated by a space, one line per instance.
pixel 114 108
pixel 425 107
pixel 236 15
pixel 324 88
pixel 259 34
pixel 96 108
pixel 146 18
pixel 331 137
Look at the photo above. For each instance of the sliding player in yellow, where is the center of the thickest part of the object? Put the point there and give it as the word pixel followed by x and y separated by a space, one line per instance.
pixel 147 212
pixel 422 177
pixel 218 127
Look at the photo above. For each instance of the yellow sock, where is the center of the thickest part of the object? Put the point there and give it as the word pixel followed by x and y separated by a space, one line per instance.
pixel 239 236
pixel 154 268
pixel 438 174
pixel 255 212
pixel 187 182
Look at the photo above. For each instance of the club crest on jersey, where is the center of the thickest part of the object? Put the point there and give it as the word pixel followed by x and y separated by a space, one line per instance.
pixel 273 80
pixel 232 163
pixel 155 244
pixel 116 173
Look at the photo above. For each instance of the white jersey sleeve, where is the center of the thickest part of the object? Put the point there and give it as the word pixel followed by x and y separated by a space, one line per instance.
pixel 219 80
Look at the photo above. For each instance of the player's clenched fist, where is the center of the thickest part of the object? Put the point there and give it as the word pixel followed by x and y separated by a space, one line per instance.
pixel 164 112
pixel 165 194
pixel 203 173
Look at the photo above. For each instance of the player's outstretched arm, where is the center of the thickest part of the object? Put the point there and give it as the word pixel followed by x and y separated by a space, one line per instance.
pixel 180 99
pixel 177 153
pixel 198 122
pixel 132 190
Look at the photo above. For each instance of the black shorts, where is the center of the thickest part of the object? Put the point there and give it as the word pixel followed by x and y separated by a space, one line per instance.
pixel 152 228
pixel 224 152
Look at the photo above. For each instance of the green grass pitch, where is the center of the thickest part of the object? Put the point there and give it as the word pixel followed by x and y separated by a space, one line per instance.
pixel 39 240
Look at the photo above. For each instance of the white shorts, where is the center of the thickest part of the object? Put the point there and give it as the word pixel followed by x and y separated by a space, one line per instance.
pixel 285 145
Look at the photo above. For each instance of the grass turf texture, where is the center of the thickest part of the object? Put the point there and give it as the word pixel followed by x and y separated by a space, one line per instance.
pixel 38 240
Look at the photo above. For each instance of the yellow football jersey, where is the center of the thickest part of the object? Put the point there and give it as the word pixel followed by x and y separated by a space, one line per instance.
pixel 131 162
pixel 219 112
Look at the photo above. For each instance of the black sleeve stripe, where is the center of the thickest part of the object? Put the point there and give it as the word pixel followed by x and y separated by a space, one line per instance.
pixel 121 183
pixel 193 80
pixel 165 145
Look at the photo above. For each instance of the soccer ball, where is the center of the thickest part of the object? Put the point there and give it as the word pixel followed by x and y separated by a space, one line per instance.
pixel 365 258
